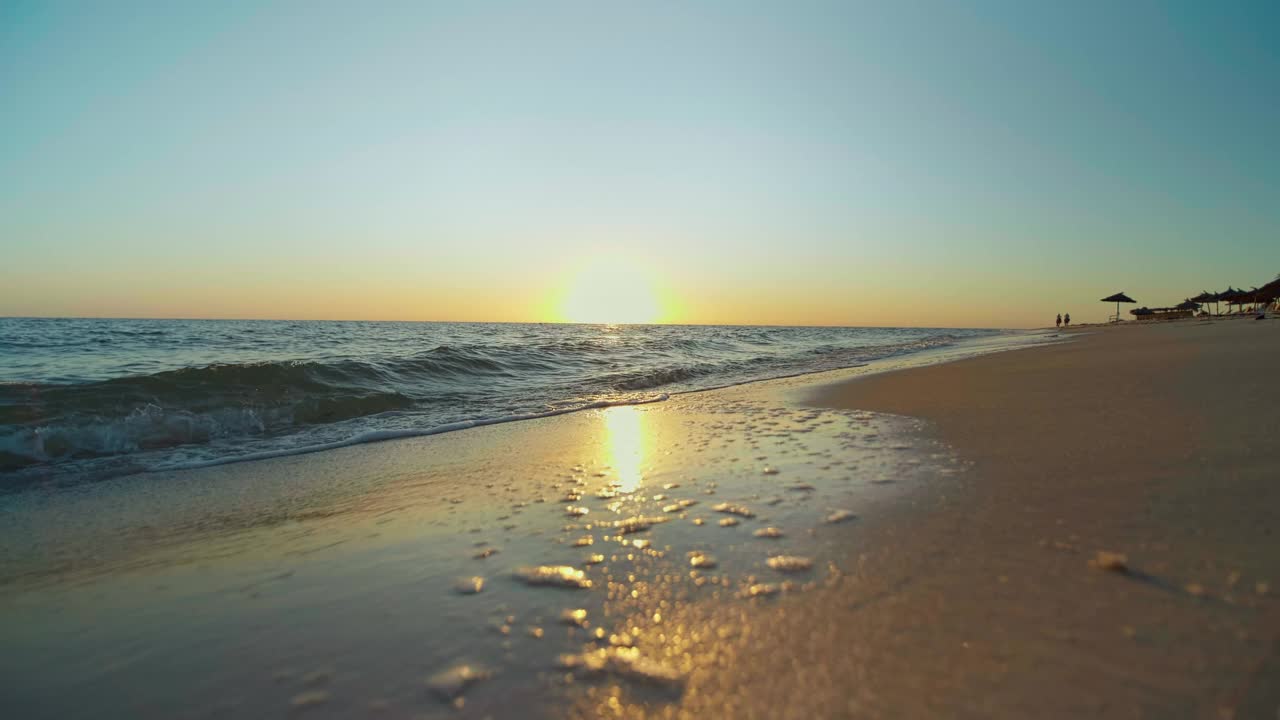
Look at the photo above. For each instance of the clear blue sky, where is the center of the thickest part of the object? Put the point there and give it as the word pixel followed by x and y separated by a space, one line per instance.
pixel 984 163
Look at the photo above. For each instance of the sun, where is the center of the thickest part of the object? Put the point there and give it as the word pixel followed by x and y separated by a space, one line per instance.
pixel 610 291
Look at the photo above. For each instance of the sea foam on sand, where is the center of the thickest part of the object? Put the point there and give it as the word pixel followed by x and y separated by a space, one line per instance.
pixel 383 562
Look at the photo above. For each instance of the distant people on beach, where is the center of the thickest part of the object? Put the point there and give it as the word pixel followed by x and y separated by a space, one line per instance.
pixel 1058 322
pixel 1066 319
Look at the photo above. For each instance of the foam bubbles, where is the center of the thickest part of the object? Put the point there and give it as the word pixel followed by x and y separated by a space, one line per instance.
pixel 762 590
pixel 702 561
pixel 468 586
pixel 451 683
pixel 562 576
pixel 740 510
pixel 636 524
pixel 574 616
pixel 622 662
pixel 790 563
pixel 840 516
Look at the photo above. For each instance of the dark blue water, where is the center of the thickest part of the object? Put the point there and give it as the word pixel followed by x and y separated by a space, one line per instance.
pixel 82 399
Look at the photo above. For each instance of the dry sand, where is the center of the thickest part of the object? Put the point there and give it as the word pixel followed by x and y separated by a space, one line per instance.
pixel 1161 443
pixel 932 569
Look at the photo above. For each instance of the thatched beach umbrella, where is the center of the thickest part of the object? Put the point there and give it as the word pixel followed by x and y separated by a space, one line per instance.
pixel 1269 292
pixel 1226 296
pixel 1187 305
pixel 1261 295
pixel 1118 298
pixel 1238 297
pixel 1207 297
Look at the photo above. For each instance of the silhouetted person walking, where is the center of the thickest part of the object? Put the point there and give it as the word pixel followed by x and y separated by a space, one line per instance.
pixel 1066 319
pixel 1058 322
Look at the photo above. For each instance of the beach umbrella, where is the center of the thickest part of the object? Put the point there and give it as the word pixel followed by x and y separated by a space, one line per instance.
pixel 1253 297
pixel 1226 296
pixel 1118 298
pixel 1237 297
pixel 1268 292
pixel 1259 296
pixel 1206 297
pixel 1187 305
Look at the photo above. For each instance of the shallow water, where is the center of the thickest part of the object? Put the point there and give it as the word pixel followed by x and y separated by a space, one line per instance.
pixel 85 399
pixel 260 600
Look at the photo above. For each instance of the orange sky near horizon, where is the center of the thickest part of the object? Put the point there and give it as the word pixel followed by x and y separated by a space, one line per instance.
pixel 789 299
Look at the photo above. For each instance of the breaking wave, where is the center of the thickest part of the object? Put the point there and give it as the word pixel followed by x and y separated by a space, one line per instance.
pixel 88 399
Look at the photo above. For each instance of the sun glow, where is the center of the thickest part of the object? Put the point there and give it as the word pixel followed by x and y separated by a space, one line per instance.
pixel 611 292
pixel 627 445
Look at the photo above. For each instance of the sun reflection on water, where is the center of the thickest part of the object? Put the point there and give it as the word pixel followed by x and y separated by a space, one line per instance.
pixel 626 444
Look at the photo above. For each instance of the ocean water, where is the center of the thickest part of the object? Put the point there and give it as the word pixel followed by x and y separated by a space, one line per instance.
pixel 85 399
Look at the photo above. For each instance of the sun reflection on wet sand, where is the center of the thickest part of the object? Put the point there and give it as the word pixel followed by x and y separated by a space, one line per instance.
pixel 635 605
pixel 627 445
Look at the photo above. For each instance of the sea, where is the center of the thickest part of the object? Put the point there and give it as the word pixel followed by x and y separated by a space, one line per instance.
pixel 87 399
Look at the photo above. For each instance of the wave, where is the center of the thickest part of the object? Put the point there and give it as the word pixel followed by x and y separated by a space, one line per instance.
pixel 647 379
pixel 44 423
pixel 383 435
pixel 351 383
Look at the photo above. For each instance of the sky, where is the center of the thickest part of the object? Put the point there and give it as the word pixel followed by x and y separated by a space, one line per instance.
pixel 979 164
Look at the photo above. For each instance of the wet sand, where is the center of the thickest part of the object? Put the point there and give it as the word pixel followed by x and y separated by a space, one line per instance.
pixel 537 569
pixel 916 568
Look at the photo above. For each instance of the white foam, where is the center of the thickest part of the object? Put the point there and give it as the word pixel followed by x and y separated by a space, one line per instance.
pixel 923 352
pixel 374 436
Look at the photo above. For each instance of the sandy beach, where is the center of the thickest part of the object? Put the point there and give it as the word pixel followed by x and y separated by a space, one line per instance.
pixel 1155 442
pixel 532 361
pixel 915 543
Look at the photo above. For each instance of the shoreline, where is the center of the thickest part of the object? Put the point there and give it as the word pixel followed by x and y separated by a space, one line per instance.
pixel 961 588
pixel 379 538
pixel 999 341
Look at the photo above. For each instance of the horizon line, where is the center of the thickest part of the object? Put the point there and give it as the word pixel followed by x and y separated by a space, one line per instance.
pixel 489 322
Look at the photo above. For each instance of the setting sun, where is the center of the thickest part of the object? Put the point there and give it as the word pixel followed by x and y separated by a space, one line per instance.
pixel 610 291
